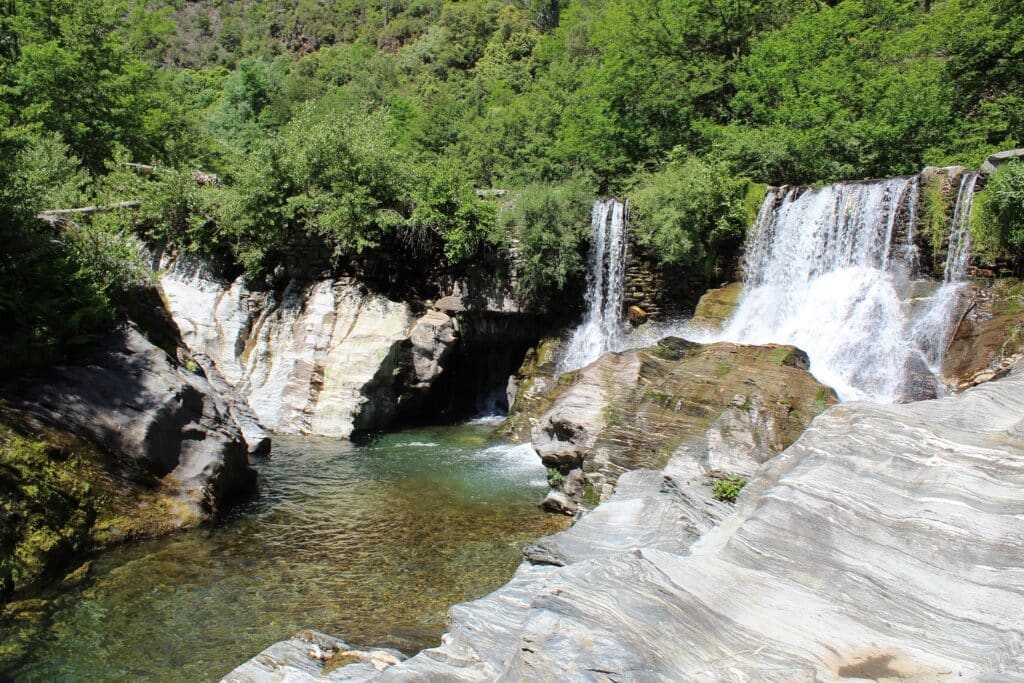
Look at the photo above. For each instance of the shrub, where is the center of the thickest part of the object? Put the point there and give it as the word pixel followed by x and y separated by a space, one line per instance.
pixel 727 488
pixel 692 214
pixel 1004 201
pixel 555 478
pixel 551 225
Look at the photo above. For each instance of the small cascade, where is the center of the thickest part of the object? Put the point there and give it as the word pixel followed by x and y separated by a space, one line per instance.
pixel 603 327
pixel 934 330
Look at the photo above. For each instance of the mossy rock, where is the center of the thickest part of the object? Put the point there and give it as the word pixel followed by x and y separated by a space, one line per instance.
pixel 717 306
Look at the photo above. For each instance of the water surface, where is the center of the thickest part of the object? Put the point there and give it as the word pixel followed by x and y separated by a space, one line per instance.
pixel 369 543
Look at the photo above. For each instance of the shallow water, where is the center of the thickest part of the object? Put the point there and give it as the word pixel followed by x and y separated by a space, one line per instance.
pixel 369 543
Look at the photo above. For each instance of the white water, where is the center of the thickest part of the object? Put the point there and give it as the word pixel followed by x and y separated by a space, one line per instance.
pixel 603 328
pixel 826 271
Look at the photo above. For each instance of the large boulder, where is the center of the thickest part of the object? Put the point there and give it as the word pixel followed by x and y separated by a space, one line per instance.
pixel 728 408
pixel 151 414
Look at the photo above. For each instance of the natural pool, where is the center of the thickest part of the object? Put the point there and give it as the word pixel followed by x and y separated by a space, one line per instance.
pixel 369 543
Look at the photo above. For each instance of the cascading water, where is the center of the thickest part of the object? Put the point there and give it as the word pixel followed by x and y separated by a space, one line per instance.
pixel 935 328
pixel 603 326
pixel 829 270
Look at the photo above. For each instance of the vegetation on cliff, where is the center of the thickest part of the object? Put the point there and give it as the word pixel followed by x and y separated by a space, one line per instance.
pixel 365 127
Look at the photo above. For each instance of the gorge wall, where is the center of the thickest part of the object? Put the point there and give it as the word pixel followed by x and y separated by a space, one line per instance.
pixel 332 358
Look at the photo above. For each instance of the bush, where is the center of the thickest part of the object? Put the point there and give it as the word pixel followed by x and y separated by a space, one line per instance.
pixel 728 488
pixel 1004 202
pixel 555 478
pixel 551 225
pixel 691 215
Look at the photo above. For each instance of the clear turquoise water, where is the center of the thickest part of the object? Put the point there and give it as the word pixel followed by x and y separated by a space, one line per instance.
pixel 369 543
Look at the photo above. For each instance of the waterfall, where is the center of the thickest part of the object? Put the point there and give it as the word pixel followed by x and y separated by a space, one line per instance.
pixel 830 270
pixel 935 329
pixel 603 326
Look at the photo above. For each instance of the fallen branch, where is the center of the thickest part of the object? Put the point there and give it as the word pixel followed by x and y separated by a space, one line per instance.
pixel 54 216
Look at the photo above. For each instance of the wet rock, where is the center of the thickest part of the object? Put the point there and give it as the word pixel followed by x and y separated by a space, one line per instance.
pixel 637 315
pixel 559 503
pixel 130 398
pixel 727 407
pixel 716 306
pixel 990 336
pixel 312 656
pixel 433 338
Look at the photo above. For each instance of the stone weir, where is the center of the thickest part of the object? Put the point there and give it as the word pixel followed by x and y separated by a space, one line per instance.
pixel 884 544
pixel 327 357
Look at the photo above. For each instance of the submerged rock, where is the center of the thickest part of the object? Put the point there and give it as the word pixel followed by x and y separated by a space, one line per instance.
pixel 726 407
pixel 154 416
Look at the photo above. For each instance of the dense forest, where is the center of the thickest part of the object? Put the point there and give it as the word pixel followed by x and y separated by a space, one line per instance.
pixel 367 127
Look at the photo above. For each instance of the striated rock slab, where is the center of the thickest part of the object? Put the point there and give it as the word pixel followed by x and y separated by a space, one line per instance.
pixel 726 407
pixel 310 656
pixel 884 544
pixel 130 398
pixel 327 358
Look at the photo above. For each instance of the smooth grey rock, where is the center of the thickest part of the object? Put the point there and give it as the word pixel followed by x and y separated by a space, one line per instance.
pixel 559 503
pixel 996 160
pixel 306 658
pixel 886 542
pixel 130 398
pixel 647 510
pixel 256 439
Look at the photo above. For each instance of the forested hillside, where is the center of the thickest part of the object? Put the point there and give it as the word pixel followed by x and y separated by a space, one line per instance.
pixel 366 126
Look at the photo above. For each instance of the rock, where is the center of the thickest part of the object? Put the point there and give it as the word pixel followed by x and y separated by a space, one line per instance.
pixel 327 357
pixel 716 306
pixel 883 544
pixel 433 338
pixel 990 336
pixel 637 315
pixel 574 484
pixel 996 160
pixel 255 438
pixel 727 407
pixel 312 656
pixel 647 510
pixel 128 397
pixel 559 503
pixel 532 384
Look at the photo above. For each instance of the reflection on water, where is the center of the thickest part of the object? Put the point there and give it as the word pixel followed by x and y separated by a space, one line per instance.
pixel 370 543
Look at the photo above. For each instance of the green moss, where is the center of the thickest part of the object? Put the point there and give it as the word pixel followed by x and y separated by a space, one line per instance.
pixel 780 355
pixel 936 213
pixel 46 509
pixel 723 369
pixel 753 198
pixel 986 241
pixel 555 478
pixel 659 397
pixel 820 400
pixel 591 497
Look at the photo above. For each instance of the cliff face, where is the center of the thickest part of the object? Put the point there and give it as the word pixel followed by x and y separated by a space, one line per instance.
pixel 327 358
